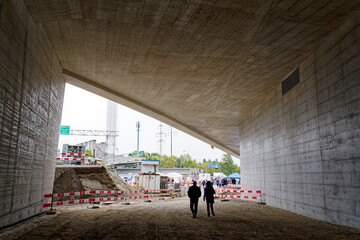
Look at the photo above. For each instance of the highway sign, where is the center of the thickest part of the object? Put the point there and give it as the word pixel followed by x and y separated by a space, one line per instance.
pixel 64 130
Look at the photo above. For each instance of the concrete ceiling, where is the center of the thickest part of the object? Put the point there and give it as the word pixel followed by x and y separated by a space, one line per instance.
pixel 198 65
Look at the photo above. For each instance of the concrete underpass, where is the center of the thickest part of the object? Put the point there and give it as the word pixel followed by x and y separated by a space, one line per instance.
pixel 276 83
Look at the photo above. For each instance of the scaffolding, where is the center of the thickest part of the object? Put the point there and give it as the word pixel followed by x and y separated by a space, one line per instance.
pixel 94 133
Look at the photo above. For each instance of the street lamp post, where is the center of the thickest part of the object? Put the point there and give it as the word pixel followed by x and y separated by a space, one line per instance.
pixel 138 130
pixel 171 141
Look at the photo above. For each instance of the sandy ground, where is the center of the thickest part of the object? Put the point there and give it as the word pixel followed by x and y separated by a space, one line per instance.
pixel 171 219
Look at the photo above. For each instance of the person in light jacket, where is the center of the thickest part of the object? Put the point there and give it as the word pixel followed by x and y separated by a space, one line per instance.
pixel 209 196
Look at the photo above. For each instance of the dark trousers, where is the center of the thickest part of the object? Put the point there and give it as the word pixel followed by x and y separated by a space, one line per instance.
pixel 194 203
pixel 209 205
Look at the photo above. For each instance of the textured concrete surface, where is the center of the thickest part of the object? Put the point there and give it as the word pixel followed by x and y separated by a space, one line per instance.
pixel 303 149
pixel 31 96
pixel 198 65
pixel 210 68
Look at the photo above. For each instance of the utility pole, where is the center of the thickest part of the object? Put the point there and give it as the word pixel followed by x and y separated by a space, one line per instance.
pixel 171 142
pixel 138 130
pixel 161 134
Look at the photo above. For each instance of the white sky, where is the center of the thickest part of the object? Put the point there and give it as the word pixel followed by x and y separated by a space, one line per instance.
pixel 83 110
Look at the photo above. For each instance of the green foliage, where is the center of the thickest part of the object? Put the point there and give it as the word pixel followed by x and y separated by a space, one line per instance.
pixel 178 163
pixel 88 151
pixel 190 164
pixel 227 165
pixel 154 156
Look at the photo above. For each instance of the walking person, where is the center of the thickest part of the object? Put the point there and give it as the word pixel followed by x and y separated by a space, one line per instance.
pixel 209 196
pixel 194 193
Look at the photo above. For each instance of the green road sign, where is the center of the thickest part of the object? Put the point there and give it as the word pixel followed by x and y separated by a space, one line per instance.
pixel 64 130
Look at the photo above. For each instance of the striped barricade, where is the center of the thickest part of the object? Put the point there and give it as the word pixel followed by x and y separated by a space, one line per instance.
pixel 170 192
pixel 228 190
pixel 244 194
pixel 70 159
pixel 233 186
pixel 48 198
pixel 93 192
pixel 140 194
pixel 75 154
pixel 87 200
pixel 152 193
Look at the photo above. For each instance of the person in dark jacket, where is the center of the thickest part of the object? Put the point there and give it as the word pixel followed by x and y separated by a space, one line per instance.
pixel 194 193
pixel 209 196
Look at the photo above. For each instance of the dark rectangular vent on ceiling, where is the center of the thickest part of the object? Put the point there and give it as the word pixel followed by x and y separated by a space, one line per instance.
pixel 290 81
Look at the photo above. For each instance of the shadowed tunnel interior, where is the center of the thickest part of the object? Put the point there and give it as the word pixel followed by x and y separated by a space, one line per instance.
pixel 214 69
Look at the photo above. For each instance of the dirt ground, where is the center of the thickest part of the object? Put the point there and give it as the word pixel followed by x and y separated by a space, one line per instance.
pixel 171 219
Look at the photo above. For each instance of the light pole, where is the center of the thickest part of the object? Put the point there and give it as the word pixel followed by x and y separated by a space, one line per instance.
pixel 138 130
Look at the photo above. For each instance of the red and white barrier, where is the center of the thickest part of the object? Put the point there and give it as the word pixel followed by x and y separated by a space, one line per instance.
pixel 75 154
pixel 149 194
pixel 86 192
pixel 88 200
pixel 69 159
pixel 244 194
pixel 233 186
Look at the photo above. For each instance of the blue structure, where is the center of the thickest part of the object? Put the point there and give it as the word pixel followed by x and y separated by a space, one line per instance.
pixel 235 176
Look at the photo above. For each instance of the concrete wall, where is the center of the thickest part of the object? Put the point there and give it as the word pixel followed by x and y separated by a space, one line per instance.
pixel 303 149
pixel 31 97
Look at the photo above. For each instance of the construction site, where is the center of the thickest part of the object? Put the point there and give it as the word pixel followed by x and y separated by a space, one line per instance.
pixel 273 83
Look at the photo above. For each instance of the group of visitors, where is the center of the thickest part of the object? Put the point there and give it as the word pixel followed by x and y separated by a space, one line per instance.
pixel 219 182
pixel 194 194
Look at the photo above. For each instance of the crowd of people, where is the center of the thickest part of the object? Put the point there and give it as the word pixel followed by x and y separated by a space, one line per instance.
pixel 220 182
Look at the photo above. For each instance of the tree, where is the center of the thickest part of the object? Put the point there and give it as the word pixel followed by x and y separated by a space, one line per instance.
pixel 190 164
pixel 88 151
pixel 154 156
pixel 168 164
pixel 227 165
pixel 181 161
pixel 178 163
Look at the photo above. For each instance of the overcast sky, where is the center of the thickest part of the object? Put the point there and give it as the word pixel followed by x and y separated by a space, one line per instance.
pixel 86 111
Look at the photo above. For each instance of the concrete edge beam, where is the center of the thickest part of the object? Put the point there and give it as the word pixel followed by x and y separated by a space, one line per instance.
pixel 91 86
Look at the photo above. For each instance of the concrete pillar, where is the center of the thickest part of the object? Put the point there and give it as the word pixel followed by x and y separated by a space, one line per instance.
pixel 303 149
pixel 31 97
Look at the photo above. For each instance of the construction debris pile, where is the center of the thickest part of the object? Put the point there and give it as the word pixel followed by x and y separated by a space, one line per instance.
pixel 77 179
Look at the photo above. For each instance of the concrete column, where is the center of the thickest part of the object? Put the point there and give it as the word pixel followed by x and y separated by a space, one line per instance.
pixel 31 97
pixel 303 149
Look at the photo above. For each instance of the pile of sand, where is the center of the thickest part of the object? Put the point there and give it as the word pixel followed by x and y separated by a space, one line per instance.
pixel 76 179
pixel 68 181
